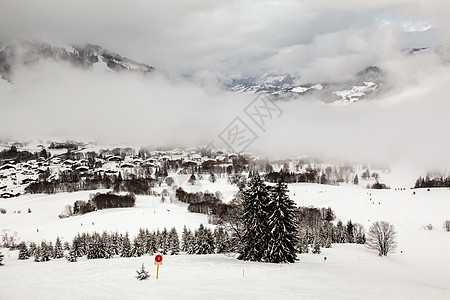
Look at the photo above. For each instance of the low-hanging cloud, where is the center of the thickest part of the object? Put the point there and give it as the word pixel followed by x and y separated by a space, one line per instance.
pixel 213 41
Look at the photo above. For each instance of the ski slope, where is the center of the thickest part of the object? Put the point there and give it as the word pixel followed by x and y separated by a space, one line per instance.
pixel 350 272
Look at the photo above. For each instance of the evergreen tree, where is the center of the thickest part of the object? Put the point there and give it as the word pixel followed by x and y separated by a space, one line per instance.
pixel 142 274
pixel 77 246
pixel 204 241
pixel 356 180
pixel 150 243
pixel 32 248
pixel 316 247
pixel 72 256
pixel 192 179
pixel 349 232
pixel 37 254
pixel 46 251
pixel 66 246
pixel 126 246
pixel 115 244
pixel 184 239
pixel 302 245
pixel 137 250
pixel 1 258
pixel 212 178
pixel 256 233
pixel 59 252
pixel 164 240
pixel 158 240
pixel 282 226
pixel 221 240
pixel 189 242
pixel 23 251
pixel 174 242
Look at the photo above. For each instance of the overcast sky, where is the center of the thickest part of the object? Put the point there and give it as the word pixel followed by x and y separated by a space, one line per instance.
pixel 320 40
pixel 235 37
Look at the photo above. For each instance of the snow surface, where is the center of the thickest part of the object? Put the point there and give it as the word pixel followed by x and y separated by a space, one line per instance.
pixel 350 272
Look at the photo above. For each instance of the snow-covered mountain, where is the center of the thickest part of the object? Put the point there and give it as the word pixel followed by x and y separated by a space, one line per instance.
pixel 81 56
pixel 366 83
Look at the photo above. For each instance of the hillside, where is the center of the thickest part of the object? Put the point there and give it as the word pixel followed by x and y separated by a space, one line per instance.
pixel 418 269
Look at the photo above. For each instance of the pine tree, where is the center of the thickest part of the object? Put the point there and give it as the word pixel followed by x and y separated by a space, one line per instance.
pixel 37 254
pixel 59 252
pixel 282 226
pixel 188 241
pixel 1 258
pixel 204 241
pixel 150 243
pixel 77 246
pixel 137 250
pixel 23 251
pixel 46 252
pixel 349 232
pixel 72 256
pixel 126 246
pixel 221 240
pixel 356 180
pixel 212 178
pixel 164 240
pixel 174 242
pixel 316 247
pixel 142 274
pixel 184 239
pixel 32 248
pixel 66 246
pixel 158 240
pixel 302 245
pixel 115 244
pixel 256 233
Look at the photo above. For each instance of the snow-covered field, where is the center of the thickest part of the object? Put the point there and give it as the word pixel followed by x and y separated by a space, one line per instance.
pixel 350 272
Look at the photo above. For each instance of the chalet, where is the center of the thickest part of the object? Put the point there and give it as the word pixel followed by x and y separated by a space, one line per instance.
pixel 68 162
pixel 196 157
pixel 176 157
pixel 8 195
pixel 147 164
pixel 28 180
pixel 82 169
pixel 7 167
pixel 127 165
pixel 190 163
pixel 209 162
pixel 114 158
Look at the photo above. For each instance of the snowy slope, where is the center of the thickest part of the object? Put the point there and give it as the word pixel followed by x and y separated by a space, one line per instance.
pixel 351 271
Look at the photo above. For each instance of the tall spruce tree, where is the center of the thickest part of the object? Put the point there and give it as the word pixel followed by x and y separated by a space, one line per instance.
pixel 58 252
pixel 204 241
pixel 72 255
pixel 1 258
pixel 221 240
pixel 174 242
pixel 282 226
pixel 256 233
pixel 184 239
pixel 23 251
pixel 126 246
pixel 164 241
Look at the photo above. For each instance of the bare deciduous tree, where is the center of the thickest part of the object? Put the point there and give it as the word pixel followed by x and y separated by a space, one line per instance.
pixel 381 236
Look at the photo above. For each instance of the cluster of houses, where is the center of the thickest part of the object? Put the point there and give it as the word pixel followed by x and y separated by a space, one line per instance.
pixel 15 176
